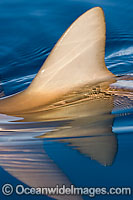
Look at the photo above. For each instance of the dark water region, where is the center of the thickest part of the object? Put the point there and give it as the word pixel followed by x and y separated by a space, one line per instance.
pixel 87 142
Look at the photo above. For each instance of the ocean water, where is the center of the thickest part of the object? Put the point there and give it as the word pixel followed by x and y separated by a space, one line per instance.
pixel 86 143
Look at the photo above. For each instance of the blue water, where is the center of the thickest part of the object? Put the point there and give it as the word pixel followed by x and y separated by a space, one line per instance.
pixel 28 32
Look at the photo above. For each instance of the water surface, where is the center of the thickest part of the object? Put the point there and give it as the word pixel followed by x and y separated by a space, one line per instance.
pixel 86 139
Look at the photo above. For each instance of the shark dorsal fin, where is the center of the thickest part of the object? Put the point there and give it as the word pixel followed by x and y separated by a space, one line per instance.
pixel 78 56
pixel 76 60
